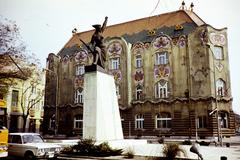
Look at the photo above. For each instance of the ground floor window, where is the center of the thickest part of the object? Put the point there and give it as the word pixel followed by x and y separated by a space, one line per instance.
pixel 52 122
pixel 163 120
pixel 202 122
pixel 139 121
pixel 223 119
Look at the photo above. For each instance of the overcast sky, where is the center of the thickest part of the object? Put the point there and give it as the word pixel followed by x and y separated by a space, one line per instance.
pixel 46 25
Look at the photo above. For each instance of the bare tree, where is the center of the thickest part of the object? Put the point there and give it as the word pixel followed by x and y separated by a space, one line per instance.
pixel 14 59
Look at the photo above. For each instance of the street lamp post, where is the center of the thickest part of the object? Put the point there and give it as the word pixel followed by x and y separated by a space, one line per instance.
pixel 56 101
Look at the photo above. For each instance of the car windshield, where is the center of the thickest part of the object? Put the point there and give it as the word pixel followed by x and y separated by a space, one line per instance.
pixel 32 139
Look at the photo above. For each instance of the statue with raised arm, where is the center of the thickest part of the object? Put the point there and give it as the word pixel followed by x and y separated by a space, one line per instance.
pixel 98 49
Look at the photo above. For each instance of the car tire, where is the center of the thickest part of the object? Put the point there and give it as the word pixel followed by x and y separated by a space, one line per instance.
pixel 29 156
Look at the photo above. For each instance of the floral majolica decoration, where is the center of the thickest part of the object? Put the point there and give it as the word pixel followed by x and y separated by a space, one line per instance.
pixel 182 41
pixel 139 76
pixel 161 42
pixel 161 71
pixel 138 48
pixel 117 75
pixel 81 56
pixel 114 49
pixel 78 81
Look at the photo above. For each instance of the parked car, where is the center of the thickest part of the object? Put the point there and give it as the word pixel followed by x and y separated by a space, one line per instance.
pixel 31 146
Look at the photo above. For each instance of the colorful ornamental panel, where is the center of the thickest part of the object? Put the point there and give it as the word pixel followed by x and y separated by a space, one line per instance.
pixel 161 71
pixel 78 82
pixel 161 42
pixel 81 56
pixel 138 48
pixel 139 76
pixel 117 75
pixel 114 49
pixel 182 41
pixel 217 39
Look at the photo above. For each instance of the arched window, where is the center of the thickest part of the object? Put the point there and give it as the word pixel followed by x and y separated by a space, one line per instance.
pixel 138 61
pixel 79 96
pixel 139 121
pixel 78 121
pixel 220 87
pixel 223 119
pixel 139 92
pixel 161 89
pixel 163 120
pixel 161 58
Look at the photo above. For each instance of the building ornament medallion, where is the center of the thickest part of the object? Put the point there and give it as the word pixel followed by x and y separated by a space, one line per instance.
pixel 217 39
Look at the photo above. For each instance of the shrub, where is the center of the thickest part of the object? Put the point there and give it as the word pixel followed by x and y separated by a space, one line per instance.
pixel 187 142
pixel 203 143
pixel 161 140
pixel 87 147
pixel 171 150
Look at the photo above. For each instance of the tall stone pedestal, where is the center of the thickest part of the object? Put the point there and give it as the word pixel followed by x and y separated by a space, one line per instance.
pixel 101 118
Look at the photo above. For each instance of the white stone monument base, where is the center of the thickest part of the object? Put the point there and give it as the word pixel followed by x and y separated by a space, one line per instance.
pixel 101 117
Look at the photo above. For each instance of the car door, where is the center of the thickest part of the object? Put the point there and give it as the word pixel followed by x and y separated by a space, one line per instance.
pixel 15 145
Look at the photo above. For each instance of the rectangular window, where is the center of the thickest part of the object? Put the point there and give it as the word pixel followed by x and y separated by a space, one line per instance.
pixel 139 121
pixel 138 61
pixel 80 70
pixel 78 122
pixel 218 52
pixel 163 122
pixel 115 63
pixel 202 122
pixel 15 98
pixel 161 58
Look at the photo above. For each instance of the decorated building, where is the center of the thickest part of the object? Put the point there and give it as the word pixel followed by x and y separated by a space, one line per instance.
pixel 171 73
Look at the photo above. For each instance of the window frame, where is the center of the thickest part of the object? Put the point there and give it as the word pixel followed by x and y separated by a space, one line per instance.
pixel 139 92
pixel 161 91
pixel 220 87
pixel 80 70
pixel 161 119
pixel 78 96
pixel 138 61
pixel 202 122
pixel 218 55
pixel 15 98
pixel 115 63
pixel 139 121
pixel 161 58
pixel 78 123
pixel 223 120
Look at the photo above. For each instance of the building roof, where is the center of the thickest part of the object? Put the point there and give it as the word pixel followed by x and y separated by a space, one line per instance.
pixel 149 23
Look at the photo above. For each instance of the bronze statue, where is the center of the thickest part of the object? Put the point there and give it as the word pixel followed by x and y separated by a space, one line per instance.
pixel 96 43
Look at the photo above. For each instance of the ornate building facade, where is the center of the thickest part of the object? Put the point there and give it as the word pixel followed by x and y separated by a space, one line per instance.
pixel 171 73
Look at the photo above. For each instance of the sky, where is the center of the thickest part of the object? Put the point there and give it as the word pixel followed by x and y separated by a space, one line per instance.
pixel 46 25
